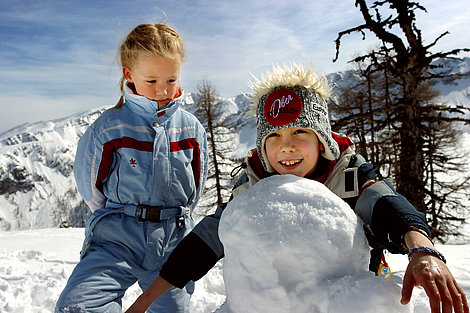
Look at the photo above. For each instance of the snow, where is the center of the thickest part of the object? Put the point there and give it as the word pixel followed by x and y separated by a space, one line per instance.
pixel 35 264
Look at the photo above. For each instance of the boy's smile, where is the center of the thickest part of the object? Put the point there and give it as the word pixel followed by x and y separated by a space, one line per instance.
pixel 293 150
pixel 290 164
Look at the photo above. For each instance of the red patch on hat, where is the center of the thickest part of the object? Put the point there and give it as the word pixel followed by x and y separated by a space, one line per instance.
pixel 283 106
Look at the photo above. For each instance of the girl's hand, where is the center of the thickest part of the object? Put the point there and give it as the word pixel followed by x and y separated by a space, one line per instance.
pixel 434 276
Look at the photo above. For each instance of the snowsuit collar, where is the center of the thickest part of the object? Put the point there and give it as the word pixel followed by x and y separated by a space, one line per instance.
pixel 149 108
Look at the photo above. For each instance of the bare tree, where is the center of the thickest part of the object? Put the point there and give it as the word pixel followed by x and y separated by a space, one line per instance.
pixel 220 138
pixel 405 70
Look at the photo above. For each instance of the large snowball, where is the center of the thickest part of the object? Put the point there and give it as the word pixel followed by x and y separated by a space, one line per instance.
pixel 291 245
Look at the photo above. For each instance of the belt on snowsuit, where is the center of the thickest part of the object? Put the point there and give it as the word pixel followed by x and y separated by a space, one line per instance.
pixel 156 214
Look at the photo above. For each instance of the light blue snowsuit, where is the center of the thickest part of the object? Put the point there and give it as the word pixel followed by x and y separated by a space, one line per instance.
pixel 135 155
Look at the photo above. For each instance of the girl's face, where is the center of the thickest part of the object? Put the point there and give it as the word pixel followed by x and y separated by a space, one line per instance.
pixel 155 77
pixel 293 150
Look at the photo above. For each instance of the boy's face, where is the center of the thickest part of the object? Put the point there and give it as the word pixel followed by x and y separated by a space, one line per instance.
pixel 155 77
pixel 293 150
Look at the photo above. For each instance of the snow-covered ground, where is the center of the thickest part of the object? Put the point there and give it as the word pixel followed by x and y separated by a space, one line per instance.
pixel 35 265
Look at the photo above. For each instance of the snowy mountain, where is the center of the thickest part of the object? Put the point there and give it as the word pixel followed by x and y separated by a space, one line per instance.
pixel 37 187
pixel 36 179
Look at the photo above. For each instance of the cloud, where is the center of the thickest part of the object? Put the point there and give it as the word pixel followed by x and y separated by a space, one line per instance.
pixel 251 36
pixel 45 108
pixel 67 49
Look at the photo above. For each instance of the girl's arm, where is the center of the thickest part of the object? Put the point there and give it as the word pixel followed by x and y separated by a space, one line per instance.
pixel 155 290
pixel 86 168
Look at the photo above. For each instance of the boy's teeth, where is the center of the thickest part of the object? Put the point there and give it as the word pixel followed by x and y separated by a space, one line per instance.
pixel 289 162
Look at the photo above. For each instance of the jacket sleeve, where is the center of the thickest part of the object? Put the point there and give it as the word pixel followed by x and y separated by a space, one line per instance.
pixel 202 246
pixel 86 169
pixel 385 212
pixel 202 160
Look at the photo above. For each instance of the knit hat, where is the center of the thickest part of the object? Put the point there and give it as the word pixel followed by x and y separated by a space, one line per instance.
pixel 292 97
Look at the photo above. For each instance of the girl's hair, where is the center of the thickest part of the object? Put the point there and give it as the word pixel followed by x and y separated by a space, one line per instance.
pixel 150 40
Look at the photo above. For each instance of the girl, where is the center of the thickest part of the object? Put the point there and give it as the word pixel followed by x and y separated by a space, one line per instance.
pixel 140 167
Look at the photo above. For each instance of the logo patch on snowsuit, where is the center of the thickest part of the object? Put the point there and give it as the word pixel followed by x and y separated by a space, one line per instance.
pixel 133 162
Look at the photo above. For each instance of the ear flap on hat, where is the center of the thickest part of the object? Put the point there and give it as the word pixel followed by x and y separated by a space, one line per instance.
pixel 326 153
pixel 264 158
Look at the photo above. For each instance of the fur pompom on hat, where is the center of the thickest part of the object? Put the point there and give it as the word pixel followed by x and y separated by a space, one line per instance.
pixel 292 97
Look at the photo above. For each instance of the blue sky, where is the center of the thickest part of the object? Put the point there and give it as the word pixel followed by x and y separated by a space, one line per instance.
pixel 58 57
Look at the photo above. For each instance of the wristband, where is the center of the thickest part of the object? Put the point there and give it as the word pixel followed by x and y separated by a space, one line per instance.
pixel 421 231
pixel 427 250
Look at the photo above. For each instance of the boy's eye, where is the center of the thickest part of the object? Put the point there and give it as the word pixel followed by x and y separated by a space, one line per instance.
pixel 151 81
pixel 300 131
pixel 172 81
pixel 272 135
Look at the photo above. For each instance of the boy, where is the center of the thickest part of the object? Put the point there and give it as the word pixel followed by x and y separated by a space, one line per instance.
pixel 294 137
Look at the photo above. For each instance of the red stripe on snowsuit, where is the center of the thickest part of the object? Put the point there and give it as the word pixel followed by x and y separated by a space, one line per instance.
pixel 108 152
pixel 186 144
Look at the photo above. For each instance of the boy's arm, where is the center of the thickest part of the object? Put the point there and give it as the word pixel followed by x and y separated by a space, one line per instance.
pixel 431 272
pixel 202 246
pixel 393 216
pixel 197 253
pixel 398 226
pixel 192 258
pixel 155 290
pixel 388 214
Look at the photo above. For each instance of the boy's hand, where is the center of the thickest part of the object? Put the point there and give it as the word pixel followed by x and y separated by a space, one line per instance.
pixel 136 308
pixel 433 275
pixel 158 287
